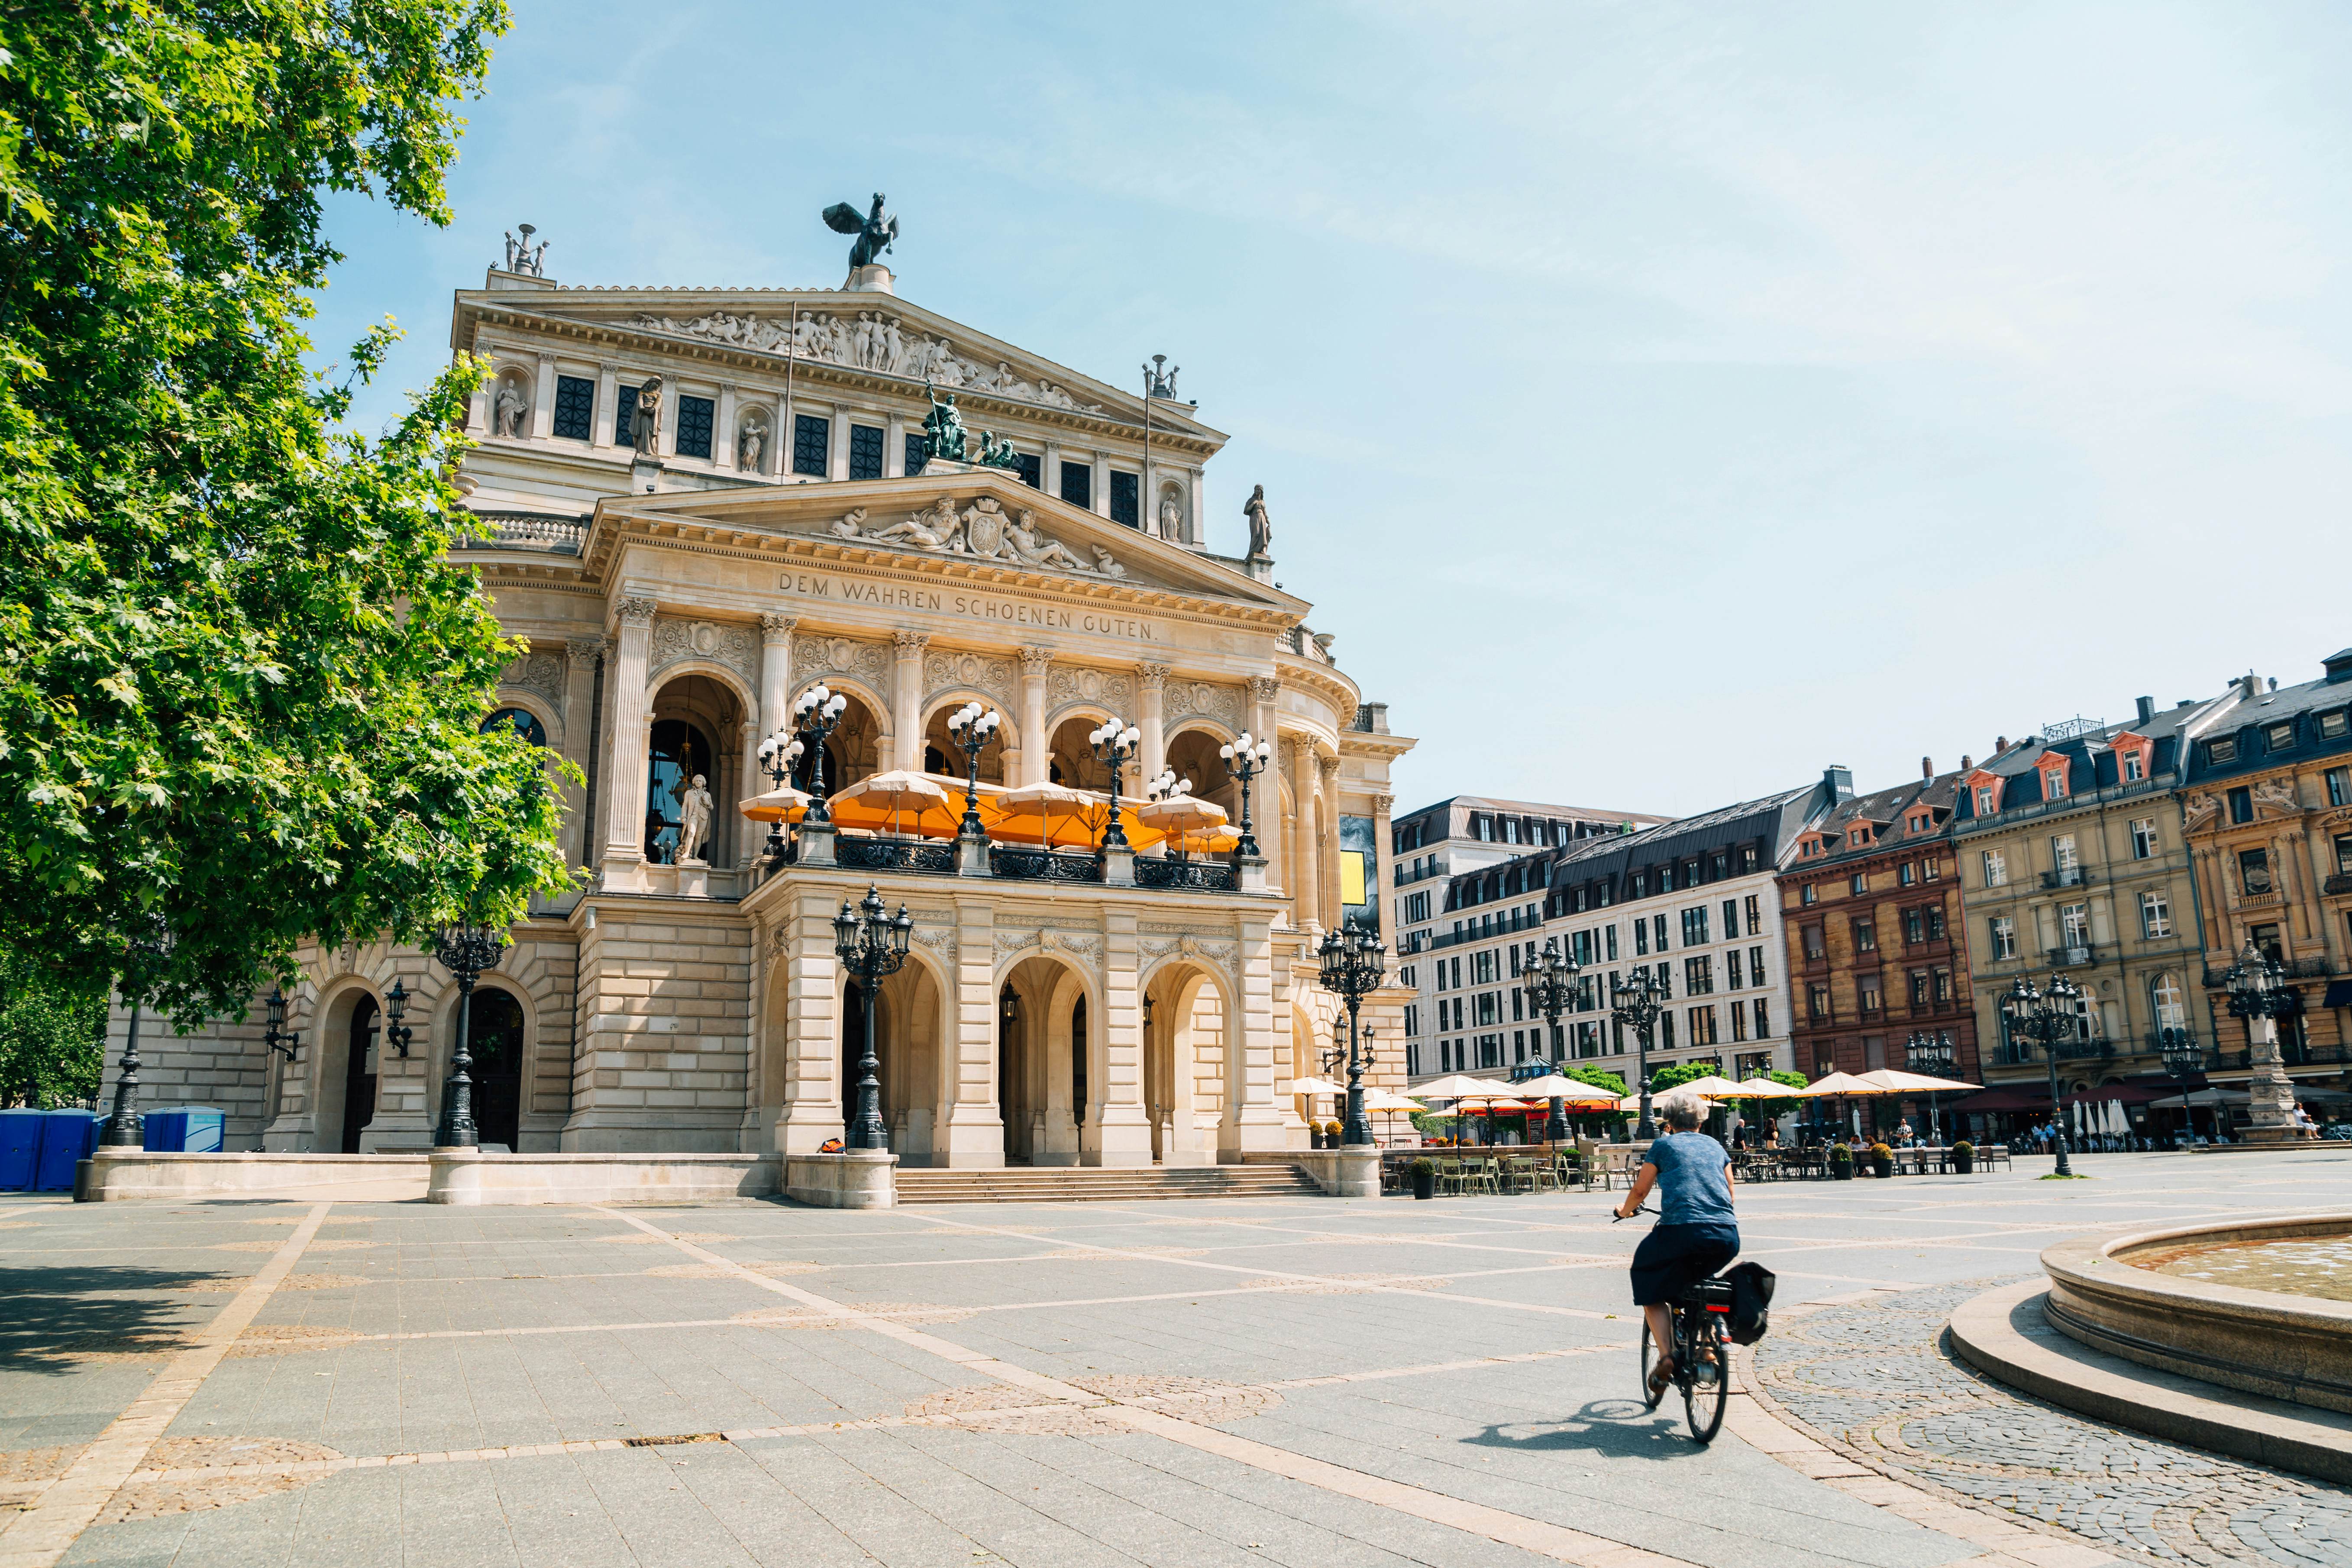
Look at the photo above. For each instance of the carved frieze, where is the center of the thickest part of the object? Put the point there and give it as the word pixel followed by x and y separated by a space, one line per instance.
pixel 971 672
pixel 1201 700
pixel 813 658
pixel 1082 684
pixel 983 531
pixel 541 674
pixel 1221 954
pixel 678 639
pixel 874 340
pixel 1050 939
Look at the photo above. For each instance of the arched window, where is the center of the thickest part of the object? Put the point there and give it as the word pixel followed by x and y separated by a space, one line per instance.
pixel 2170 1003
pixel 520 721
pixel 494 1045
pixel 679 752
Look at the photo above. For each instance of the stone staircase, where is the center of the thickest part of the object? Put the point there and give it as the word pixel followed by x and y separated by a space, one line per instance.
pixel 1094 1183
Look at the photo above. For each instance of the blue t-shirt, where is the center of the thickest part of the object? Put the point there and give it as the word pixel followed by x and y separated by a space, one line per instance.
pixel 1692 1186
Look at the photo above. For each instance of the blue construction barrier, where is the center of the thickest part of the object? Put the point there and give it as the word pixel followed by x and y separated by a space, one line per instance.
pixel 185 1130
pixel 66 1139
pixel 20 1148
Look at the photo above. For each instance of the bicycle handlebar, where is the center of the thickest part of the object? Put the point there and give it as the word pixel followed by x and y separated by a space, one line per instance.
pixel 1614 1217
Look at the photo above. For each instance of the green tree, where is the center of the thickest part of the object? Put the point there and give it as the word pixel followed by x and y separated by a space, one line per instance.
pixel 52 1037
pixel 239 683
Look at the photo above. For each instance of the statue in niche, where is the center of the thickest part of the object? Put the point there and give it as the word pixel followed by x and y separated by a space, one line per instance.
pixel 1261 527
pixel 996 451
pixel 645 425
pixel 746 448
pixel 876 232
pixel 510 406
pixel 693 822
pixel 1034 547
pixel 943 428
pixel 1171 516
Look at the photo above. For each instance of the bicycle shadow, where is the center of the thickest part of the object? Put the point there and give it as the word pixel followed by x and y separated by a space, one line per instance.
pixel 1615 1428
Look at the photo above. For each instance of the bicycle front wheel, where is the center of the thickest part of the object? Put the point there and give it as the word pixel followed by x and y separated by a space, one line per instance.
pixel 1707 1389
pixel 1649 1359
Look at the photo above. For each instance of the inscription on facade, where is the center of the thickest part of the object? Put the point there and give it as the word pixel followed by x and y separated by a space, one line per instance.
pixel 836 588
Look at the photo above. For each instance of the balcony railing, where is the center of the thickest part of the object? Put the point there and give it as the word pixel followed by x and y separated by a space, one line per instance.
pixel 2073 955
pixel 2291 968
pixel 895 855
pixel 2338 882
pixel 1044 865
pixel 1199 876
pixel 2066 876
pixel 519 531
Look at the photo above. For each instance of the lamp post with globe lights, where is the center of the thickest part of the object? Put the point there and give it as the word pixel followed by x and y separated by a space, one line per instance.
pixel 1115 744
pixel 2184 1063
pixel 1933 1055
pixel 1352 970
pixel 1245 758
pixel 778 752
pixel 1551 981
pixel 971 727
pixel 1635 1005
pixel 816 714
pixel 870 945
pixel 126 1128
pixel 464 950
pixel 2047 1018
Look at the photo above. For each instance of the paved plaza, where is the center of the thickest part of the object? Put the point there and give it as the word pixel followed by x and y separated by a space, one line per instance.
pixel 1290 1380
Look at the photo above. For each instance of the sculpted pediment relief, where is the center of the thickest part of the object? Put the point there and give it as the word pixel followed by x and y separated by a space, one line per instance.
pixel 982 530
pixel 873 340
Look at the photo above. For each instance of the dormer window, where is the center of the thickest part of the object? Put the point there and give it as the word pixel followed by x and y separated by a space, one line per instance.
pixel 1858 837
pixel 2279 737
pixel 2053 777
pixel 2132 768
pixel 1988 801
pixel 1920 822
pixel 2220 751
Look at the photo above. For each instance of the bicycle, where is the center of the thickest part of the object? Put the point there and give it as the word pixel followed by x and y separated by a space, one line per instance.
pixel 1699 1316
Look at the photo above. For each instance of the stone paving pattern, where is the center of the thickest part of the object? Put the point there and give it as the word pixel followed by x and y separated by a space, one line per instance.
pixel 1873 1375
pixel 1294 1381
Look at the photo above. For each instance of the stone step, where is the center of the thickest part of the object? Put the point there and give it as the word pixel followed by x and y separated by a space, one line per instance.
pixel 1080 1184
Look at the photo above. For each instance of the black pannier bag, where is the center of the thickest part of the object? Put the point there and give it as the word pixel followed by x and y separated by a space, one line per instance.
pixel 1751 1297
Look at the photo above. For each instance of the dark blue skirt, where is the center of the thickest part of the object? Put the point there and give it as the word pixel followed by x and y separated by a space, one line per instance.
pixel 1674 1257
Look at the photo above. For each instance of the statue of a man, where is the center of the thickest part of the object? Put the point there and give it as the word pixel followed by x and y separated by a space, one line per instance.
pixel 1261 529
pixel 693 822
pixel 645 425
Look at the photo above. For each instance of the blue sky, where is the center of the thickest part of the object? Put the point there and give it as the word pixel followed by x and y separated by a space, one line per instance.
pixel 1659 403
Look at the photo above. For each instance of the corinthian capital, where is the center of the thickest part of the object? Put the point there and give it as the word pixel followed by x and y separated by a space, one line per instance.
pixel 584 651
pixel 1035 661
pixel 910 642
pixel 1330 769
pixel 1151 677
pixel 636 612
pixel 775 628
pixel 1264 688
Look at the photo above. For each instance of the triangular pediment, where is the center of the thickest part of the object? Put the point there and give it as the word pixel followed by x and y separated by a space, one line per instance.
pixel 973 524
pixel 855 331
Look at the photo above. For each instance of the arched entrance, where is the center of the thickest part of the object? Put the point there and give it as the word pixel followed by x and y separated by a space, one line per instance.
pixel 494 1043
pixel 908 1056
pixel 1041 1062
pixel 358 1075
pixel 1185 1041
pixel 1071 760
pixel 681 752
pixel 853 751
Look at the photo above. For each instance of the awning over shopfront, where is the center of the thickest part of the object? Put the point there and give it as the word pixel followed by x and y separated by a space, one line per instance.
pixel 2022 1098
pixel 2339 993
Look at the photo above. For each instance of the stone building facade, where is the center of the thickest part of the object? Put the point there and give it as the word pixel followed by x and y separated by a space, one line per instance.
pixel 2267 803
pixel 2072 861
pixel 1877 941
pixel 777 520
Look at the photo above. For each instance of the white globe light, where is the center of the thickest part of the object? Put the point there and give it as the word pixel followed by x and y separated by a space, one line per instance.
pixel 1226 752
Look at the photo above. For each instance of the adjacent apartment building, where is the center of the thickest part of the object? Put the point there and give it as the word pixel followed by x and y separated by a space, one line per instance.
pixel 1437 844
pixel 1694 901
pixel 2072 861
pixel 2268 811
pixel 1877 951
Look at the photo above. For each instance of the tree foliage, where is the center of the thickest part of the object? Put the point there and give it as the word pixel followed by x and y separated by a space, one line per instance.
pixel 52 1036
pixel 239 683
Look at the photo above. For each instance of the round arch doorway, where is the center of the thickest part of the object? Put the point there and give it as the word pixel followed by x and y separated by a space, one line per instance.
pixel 494 1041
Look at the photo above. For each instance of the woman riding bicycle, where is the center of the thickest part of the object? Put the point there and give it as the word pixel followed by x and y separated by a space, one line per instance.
pixel 1697 1232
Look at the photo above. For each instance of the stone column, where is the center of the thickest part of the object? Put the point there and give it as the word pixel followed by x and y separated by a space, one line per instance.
pixel 722 427
pixel 775 673
pixel 542 399
pixel 1327 850
pixel 1121 1134
pixel 907 700
pixel 625 753
pixel 1152 755
pixel 579 703
pixel 1382 880
pixel 1036 746
pixel 1101 487
pixel 1251 1119
pixel 894 447
pixel 608 397
pixel 1049 470
pixel 739 826
pixel 972 1134
pixel 1304 883
pixel 1266 790
pixel 802 963
pixel 1196 527
pixel 836 451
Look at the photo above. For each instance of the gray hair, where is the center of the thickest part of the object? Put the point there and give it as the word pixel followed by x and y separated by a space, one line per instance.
pixel 1682 1110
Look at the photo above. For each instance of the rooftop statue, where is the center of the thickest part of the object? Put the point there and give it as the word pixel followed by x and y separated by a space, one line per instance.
pixel 1261 526
pixel 943 429
pixel 996 451
pixel 875 232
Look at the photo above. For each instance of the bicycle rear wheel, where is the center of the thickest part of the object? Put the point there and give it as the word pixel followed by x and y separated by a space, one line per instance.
pixel 1704 1397
pixel 1649 1359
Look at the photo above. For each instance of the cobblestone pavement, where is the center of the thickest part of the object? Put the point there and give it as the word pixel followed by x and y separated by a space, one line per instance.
pixel 1201 1384
pixel 1873 1376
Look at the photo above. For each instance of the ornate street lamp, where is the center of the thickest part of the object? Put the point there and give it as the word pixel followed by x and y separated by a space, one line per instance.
pixel 815 715
pixel 1116 745
pixel 465 951
pixel 1635 1005
pixel 1551 981
pixel 277 1036
pixel 1933 1055
pixel 971 727
pixel 126 1129
pixel 870 945
pixel 2184 1059
pixel 395 1007
pixel 2047 1018
pixel 778 752
pixel 1353 971
pixel 1244 760
pixel 2259 995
